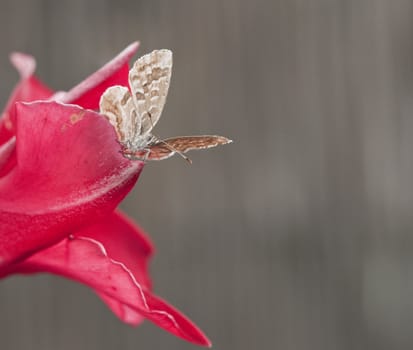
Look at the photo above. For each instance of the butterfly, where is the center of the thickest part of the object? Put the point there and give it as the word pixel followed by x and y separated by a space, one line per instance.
pixel 135 112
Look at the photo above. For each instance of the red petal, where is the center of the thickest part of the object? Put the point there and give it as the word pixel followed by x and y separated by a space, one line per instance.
pixel 133 248
pixel 7 156
pixel 28 89
pixel 87 93
pixel 123 311
pixel 116 270
pixel 68 172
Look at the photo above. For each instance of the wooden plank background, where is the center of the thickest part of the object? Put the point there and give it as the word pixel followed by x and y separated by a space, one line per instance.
pixel 297 236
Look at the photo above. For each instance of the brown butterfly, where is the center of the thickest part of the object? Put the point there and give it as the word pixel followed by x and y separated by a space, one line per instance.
pixel 134 115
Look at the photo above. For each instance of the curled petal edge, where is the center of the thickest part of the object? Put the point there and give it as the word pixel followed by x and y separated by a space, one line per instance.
pixel 115 72
pixel 114 281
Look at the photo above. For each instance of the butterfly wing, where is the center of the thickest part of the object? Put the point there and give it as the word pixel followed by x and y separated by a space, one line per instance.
pixel 135 114
pixel 117 105
pixel 166 148
pixel 149 81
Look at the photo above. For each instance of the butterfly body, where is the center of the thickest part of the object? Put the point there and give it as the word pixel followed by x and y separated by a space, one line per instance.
pixel 134 112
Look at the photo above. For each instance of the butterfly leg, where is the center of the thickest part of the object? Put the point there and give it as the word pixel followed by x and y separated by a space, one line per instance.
pixel 147 153
pixel 143 158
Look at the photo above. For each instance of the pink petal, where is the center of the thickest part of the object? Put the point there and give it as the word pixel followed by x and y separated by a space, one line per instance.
pixel 25 64
pixel 87 93
pixel 68 171
pixel 28 89
pixel 123 311
pixel 7 156
pixel 124 242
pixel 116 269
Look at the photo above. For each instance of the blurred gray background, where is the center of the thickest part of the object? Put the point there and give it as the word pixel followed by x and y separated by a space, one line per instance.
pixel 297 236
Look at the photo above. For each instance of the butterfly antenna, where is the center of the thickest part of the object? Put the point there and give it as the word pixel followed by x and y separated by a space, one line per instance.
pixel 173 149
pixel 176 151
pixel 168 145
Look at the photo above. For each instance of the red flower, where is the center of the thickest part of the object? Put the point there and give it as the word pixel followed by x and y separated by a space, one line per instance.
pixel 61 177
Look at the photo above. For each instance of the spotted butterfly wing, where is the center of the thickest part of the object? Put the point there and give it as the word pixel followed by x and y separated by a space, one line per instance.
pixel 149 81
pixel 117 105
